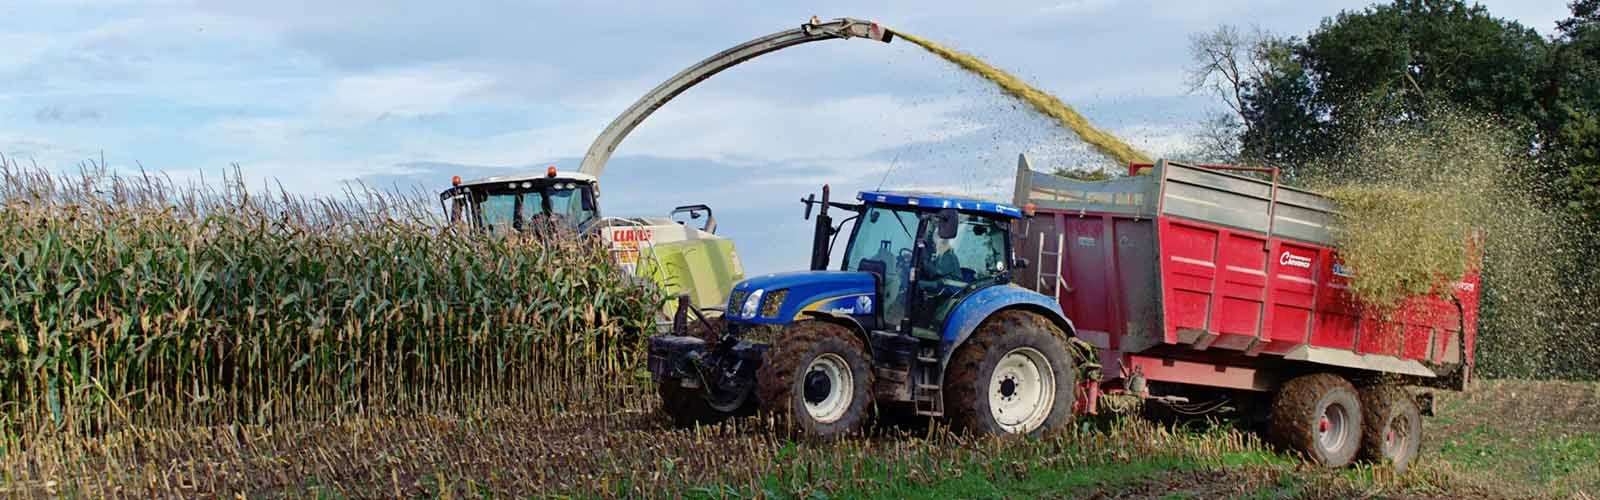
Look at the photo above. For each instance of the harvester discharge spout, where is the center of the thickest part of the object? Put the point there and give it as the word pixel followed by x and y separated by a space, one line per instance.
pixel 594 161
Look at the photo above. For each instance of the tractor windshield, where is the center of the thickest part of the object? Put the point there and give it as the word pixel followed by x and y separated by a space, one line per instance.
pixel 882 244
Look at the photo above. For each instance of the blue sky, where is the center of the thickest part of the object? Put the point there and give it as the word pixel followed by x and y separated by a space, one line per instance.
pixel 314 93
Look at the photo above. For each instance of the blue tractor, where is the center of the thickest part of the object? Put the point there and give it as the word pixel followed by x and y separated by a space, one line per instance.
pixel 920 317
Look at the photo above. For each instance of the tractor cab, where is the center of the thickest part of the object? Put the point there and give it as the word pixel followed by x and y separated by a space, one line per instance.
pixel 917 314
pixel 524 203
pixel 929 252
pixel 908 260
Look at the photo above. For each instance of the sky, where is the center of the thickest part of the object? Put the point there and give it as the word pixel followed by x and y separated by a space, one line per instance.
pixel 399 93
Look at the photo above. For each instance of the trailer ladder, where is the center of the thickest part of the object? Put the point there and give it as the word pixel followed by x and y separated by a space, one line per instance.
pixel 1054 289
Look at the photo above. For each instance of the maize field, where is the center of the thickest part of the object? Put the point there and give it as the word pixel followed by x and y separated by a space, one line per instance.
pixel 134 302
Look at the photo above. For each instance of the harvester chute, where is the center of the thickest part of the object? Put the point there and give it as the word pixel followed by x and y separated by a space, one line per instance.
pixel 594 162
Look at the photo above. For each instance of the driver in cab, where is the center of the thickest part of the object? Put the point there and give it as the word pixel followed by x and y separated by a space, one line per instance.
pixel 941 264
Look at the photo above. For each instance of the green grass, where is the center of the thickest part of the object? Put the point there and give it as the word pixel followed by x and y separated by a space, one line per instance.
pixel 1564 461
pixel 1472 449
pixel 1003 478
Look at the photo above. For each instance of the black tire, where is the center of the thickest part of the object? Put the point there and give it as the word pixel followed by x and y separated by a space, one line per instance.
pixel 972 369
pixel 786 374
pixel 1391 428
pixel 690 407
pixel 1319 417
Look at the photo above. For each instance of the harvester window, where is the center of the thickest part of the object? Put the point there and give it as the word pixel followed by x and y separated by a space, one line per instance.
pixel 571 203
pixel 509 211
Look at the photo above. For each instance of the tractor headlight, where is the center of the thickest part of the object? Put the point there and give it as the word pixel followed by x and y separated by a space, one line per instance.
pixel 773 302
pixel 751 303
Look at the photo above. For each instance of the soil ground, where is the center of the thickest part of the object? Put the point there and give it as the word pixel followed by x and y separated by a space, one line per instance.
pixel 1509 439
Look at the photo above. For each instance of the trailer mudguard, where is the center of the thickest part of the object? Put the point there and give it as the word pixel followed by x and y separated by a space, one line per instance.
pixel 971 312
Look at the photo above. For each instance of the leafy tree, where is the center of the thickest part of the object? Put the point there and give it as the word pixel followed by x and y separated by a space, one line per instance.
pixel 1389 62
pixel 1573 91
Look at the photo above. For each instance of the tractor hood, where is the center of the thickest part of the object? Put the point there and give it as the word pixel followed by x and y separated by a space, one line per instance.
pixel 786 296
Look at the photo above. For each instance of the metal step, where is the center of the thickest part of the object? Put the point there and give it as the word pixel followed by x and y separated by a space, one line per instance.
pixel 928 393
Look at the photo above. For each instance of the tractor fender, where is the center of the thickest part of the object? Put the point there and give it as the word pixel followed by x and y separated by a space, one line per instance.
pixel 971 312
pixel 843 320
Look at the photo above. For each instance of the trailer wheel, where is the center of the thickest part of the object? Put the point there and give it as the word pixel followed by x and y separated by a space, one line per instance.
pixel 1391 427
pixel 1319 417
pixel 1013 376
pixel 816 379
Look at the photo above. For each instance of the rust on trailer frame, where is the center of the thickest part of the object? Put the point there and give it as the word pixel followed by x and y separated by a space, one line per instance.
pixel 1200 373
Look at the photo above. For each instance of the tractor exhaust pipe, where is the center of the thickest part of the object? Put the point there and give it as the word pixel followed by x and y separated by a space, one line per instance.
pixel 822 234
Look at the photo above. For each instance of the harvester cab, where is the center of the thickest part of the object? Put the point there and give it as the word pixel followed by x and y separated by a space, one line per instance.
pixel 524 202
pixel 680 258
pixel 919 317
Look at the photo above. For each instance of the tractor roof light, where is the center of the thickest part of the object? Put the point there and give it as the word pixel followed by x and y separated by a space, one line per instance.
pixel 455 180
pixel 1029 209
pixel 550 172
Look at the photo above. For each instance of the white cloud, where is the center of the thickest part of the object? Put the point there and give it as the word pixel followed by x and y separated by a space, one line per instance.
pixel 1077 7
pixel 406 92
pixel 22 49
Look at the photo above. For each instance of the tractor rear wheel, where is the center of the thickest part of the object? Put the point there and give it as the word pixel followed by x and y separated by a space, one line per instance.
pixel 817 380
pixel 690 407
pixel 1319 417
pixel 1391 427
pixel 1013 376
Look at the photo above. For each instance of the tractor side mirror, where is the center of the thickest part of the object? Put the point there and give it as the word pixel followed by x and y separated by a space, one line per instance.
pixel 587 199
pixel 1020 263
pixel 949 224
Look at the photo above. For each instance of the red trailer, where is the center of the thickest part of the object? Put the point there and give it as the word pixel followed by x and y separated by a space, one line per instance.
pixel 1206 283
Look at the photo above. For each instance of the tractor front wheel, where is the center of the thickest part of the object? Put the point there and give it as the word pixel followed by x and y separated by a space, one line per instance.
pixel 817 380
pixel 1013 376
pixel 1319 417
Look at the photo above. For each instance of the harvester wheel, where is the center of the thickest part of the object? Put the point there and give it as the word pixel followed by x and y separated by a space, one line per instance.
pixel 690 407
pixel 1319 417
pixel 817 379
pixel 1013 376
pixel 1391 428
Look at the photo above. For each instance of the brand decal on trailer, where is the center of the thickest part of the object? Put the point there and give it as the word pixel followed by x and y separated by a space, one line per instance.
pixel 1292 260
pixel 1086 241
pixel 1341 271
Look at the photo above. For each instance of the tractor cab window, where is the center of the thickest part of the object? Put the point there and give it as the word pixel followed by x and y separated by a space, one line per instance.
pixel 882 245
pixel 951 268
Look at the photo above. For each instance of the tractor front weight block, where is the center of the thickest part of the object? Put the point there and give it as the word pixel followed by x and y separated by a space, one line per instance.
pixel 675 357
